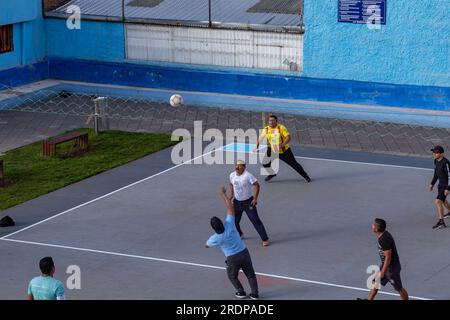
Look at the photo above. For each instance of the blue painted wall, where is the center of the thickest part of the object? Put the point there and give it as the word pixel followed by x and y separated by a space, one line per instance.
pixel 103 41
pixel 28 32
pixel 412 48
pixel 24 74
pixel 406 63
pixel 14 11
pixel 232 82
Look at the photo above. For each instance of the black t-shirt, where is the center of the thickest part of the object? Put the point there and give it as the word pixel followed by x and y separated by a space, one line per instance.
pixel 441 171
pixel 385 243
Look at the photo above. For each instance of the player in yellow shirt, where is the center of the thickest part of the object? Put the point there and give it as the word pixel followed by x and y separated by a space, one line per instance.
pixel 278 138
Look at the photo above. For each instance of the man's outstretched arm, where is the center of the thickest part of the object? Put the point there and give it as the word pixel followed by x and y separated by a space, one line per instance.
pixel 223 194
pixel 258 141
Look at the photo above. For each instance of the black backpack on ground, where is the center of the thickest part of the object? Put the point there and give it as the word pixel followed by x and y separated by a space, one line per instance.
pixel 6 222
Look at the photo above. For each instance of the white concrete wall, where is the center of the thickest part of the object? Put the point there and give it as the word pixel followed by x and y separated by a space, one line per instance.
pixel 218 47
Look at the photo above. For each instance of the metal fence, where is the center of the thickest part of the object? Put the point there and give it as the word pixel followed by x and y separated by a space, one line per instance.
pixel 110 112
pixel 87 105
pixel 276 15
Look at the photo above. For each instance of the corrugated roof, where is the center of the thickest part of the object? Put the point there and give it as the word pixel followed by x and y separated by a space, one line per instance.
pixel 270 6
pixel 227 11
pixel 145 3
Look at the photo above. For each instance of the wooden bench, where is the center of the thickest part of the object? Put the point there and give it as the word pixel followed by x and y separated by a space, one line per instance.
pixel 3 180
pixel 81 142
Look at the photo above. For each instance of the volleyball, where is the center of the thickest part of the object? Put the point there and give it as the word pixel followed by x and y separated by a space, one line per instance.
pixel 176 100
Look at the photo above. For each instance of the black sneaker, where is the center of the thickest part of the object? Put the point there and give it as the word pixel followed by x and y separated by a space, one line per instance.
pixel 361 299
pixel 241 295
pixel 253 296
pixel 447 215
pixel 268 178
pixel 439 225
pixel 308 179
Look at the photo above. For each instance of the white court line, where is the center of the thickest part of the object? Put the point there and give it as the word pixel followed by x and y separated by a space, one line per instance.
pixel 367 163
pixel 109 194
pixel 5 238
pixel 203 266
pixel 178 165
pixel 346 161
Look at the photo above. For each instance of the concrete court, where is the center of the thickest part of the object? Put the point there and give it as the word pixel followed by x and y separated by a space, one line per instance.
pixel 319 232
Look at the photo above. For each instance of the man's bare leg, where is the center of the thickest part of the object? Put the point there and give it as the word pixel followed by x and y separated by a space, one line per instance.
pixel 447 205
pixel 440 208
pixel 373 292
pixel 404 294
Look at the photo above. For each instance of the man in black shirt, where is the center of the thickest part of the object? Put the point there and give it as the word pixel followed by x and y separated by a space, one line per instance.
pixel 390 262
pixel 441 170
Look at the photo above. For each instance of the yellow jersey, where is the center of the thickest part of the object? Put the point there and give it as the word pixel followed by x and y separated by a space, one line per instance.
pixel 275 137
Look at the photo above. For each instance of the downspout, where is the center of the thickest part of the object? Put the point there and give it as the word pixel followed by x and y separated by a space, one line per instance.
pixel 124 31
pixel 22 43
pixel 302 10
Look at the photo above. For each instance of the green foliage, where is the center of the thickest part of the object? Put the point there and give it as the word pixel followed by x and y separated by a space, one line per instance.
pixel 33 175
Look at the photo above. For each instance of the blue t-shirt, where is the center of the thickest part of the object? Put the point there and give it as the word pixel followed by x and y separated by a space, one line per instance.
pixel 46 288
pixel 229 241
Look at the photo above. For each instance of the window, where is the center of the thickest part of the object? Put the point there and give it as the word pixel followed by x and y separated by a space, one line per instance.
pixel 6 38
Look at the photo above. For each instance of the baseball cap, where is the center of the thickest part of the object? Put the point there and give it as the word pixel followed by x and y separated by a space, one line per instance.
pixel 438 149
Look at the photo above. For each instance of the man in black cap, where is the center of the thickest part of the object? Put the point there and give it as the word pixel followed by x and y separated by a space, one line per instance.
pixel 441 170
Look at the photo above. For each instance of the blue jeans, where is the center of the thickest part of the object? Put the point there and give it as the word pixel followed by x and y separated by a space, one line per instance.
pixel 252 213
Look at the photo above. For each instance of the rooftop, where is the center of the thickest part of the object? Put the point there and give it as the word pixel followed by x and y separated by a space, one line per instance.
pixel 250 12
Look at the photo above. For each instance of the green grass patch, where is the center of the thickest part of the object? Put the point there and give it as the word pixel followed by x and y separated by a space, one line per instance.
pixel 33 175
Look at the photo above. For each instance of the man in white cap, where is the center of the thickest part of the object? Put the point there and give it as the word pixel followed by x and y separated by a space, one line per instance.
pixel 244 192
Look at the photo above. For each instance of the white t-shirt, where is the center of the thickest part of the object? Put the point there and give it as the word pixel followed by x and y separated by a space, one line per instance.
pixel 243 185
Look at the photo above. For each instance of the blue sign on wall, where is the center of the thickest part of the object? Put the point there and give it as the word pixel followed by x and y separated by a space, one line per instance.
pixel 362 11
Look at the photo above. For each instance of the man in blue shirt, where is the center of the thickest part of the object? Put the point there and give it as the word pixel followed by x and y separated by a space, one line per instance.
pixel 45 287
pixel 228 240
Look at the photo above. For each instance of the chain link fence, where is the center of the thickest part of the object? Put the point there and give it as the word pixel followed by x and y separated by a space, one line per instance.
pixel 143 114
pixel 78 104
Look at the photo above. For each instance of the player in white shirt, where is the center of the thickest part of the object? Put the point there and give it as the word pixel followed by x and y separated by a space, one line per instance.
pixel 245 192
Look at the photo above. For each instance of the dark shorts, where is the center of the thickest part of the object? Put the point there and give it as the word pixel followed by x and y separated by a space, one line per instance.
pixel 392 276
pixel 441 195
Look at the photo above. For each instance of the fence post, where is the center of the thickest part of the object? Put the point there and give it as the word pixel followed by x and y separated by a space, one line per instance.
pixel 210 13
pixel 123 10
pixel 302 9
pixel 104 112
pixel 97 113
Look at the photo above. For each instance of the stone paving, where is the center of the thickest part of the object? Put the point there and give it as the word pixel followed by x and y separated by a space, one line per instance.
pixel 19 127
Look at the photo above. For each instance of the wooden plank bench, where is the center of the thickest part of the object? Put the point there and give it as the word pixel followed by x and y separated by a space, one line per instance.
pixel 49 146
pixel 3 180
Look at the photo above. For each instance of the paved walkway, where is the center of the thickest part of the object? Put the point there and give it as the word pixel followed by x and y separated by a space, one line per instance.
pixel 18 128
